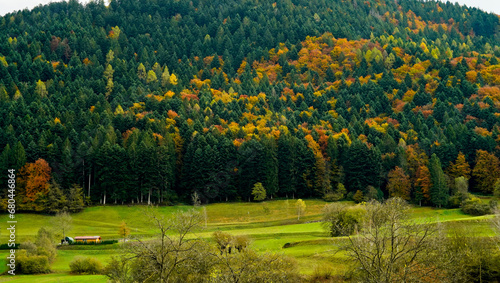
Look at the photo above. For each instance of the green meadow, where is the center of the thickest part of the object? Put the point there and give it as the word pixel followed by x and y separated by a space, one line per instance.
pixel 270 225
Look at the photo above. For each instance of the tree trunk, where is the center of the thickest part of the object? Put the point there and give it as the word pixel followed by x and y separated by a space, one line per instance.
pixel 89 184
pixel 83 174
pixel 104 199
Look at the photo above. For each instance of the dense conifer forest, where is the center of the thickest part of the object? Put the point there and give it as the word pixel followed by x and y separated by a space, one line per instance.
pixel 154 100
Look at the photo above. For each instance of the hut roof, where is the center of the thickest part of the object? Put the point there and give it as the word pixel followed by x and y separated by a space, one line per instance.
pixel 87 237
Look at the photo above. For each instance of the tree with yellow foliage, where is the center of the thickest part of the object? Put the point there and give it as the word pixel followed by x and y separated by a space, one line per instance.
pixel 151 78
pixel 173 79
pixel 123 231
pixel 301 208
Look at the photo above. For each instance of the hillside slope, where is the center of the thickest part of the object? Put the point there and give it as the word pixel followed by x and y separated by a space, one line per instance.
pixel 154 100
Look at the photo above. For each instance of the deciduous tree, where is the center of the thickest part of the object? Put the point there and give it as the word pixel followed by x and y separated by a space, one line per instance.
pixel 62 222
pixel 399 183
pixel 258 192
pixel 486 171
pixel 459 168
pixel 423 184
pixel 301 208
pixel 123 231
pixel 393 248
pixel 33 181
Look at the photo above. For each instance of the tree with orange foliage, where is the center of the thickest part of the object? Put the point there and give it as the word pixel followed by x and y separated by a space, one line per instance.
pixel 399 183
pixel 459 168
pixel 415 157
pixel 322 178
pixel 423 184
pixel 33 180
pixel 486 171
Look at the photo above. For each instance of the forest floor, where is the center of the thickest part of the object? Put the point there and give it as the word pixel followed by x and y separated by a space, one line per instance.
pixel 270 225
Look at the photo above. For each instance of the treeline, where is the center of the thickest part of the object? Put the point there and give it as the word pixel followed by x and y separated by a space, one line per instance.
pixel 152 101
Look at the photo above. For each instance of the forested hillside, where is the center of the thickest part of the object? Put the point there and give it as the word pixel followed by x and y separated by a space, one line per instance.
pixel 153 100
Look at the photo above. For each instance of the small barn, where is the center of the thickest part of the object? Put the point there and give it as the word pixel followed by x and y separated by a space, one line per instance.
pixel 88 239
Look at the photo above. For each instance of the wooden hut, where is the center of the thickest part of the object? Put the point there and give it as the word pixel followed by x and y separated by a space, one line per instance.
pixel 88 239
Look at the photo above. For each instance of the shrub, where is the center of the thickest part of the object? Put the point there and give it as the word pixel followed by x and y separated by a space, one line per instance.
pixel 223 240
pixel 475 206
pixel 321 273
pixel 496 188
pixel 85 265
pixel 105 242
pixel 241 242
pixel 372 193
pixel 358 196
pixel 108 242
pixel 350 196
pixel 45 244
pixel 117 270
pixel 329 197
pixel 342 220
pixel 34 264
pixel 454 201
pixel 337 195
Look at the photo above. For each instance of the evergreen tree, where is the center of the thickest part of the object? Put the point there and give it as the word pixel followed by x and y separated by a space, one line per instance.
pixel 439 189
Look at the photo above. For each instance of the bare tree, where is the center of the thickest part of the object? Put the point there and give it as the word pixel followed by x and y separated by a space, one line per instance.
pixel 62 222
pixel 248 266
pixel 159 259
pixel 195 197
pixel 392 247
pixel 236 263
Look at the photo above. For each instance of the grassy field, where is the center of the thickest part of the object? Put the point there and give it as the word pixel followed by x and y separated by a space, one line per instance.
pixel 270 226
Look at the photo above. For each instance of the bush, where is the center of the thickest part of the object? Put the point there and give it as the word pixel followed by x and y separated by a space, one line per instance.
pixel 321 273
pixel 358 197
pixel 475 206
pixel 45 244
pixel 106 242
pixel 85 265
pixel 241 242
pixel 350 196
pixel 342 220
pixel 35 264
pixel 454 201
pixel 337 195
pixel 117 270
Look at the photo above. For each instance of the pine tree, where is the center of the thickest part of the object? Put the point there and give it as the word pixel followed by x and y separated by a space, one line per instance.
pixel 286 165
pixel 439 189
pixel 362 167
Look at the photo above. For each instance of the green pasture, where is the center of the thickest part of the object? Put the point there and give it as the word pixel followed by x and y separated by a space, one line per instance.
pixel 270 226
